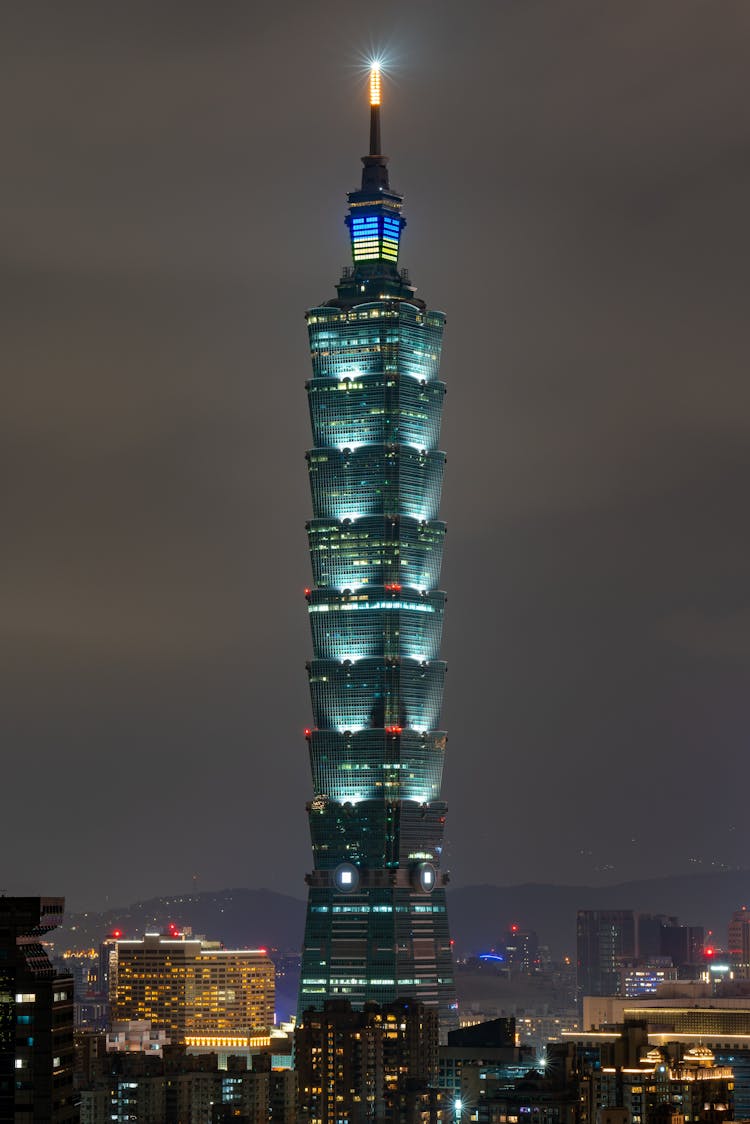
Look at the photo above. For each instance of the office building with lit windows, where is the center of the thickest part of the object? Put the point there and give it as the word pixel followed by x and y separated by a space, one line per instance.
pixel 376 924
pixel 191 987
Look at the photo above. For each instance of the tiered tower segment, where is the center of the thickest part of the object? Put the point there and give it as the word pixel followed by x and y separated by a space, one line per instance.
pixel 376 925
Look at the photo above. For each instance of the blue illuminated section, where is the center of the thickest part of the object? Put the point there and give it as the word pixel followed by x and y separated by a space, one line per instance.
pixel 375 236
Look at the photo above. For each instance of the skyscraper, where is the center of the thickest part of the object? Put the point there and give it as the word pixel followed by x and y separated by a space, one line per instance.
pixel 376 924
pixel 606 942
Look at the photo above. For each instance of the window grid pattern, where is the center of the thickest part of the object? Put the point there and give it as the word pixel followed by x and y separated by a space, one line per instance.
pixel 350 627
pixel 374 410
pixel 376 551
pixel 375 833
pixel 375 693
pixel 375 480
pixel 387 931
pixel 375 338
pixel 373 764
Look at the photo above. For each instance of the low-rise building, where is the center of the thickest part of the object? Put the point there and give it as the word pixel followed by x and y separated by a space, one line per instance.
pixel 179 1088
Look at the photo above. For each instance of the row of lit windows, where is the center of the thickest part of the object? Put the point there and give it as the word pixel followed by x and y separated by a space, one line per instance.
pixel 403 310
pixel 362 908
pixel 417 347
pixel 332 571
pixel 375 383
pixel 416 606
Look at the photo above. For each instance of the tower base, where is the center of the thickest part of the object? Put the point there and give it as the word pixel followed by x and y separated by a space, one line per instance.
pixel 378 944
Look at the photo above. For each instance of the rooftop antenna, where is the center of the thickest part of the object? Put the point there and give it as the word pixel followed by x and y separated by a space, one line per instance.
pixel 375 109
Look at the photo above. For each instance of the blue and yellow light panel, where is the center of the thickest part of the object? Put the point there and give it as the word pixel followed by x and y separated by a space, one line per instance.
pixel 375 237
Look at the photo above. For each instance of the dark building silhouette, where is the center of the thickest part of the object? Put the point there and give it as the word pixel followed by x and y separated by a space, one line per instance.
pixel 36 1017
pixel 606 940
pixel 650 926
pixel 683 944
pixel 377 925
pixel 663 936
pixel 493 1033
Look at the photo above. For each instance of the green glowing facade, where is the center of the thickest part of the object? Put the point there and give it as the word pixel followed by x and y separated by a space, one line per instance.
pixel 376 925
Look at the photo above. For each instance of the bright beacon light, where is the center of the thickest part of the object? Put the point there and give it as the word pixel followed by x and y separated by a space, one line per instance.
pixel 375 84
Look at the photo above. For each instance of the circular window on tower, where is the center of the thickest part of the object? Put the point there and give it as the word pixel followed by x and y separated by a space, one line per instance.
pixel 346 877
pixel 427 877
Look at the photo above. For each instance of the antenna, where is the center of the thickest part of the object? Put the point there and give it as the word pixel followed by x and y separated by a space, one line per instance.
pixel 375 109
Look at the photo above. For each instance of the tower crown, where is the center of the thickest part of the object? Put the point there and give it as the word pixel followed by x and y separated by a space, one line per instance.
pixel 375 221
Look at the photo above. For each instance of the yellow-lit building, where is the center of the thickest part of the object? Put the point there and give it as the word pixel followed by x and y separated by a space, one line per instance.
pixel 189 987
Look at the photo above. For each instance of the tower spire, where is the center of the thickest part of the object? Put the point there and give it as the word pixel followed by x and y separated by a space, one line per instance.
pixel 375 220
pixel 375 145
pixel 375 170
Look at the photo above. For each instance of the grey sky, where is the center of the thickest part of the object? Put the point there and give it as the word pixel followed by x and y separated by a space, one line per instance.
pixel 577 179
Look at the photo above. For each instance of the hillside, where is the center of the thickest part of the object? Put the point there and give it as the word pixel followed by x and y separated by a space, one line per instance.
pixel 262 918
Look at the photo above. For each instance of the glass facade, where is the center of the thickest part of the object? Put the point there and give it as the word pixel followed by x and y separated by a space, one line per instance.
pixel 377 925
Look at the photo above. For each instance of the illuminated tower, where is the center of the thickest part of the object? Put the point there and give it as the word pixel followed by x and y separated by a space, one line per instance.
pixel 376 925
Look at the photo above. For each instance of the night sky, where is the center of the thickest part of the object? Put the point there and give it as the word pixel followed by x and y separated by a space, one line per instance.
pixel 173 182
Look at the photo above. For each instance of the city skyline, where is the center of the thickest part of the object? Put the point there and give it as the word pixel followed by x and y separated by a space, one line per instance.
pixel 581 180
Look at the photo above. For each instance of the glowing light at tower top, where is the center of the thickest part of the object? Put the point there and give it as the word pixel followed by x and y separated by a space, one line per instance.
pixel 375 83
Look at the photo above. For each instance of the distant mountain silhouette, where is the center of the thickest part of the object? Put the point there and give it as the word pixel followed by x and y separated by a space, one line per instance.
pixel 246 918
pixel 479 914
pixel 240 918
